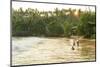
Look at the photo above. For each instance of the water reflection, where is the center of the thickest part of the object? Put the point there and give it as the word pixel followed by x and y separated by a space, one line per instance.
pixel 88 50
pixel 35 50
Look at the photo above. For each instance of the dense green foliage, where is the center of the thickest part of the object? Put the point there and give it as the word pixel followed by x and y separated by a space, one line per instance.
pixel 32 22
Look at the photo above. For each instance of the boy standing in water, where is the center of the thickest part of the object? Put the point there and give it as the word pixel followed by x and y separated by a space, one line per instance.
pixel 75 42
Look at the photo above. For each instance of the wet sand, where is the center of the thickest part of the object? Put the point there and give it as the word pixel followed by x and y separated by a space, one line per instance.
pixel 34 50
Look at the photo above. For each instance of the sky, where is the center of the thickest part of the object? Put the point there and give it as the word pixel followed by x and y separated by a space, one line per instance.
pixel 48 7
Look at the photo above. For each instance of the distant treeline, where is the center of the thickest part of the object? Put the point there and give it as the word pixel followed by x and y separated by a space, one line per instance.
pixel 65 22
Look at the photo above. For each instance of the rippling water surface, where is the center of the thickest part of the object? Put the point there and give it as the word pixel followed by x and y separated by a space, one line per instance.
pixel 35 50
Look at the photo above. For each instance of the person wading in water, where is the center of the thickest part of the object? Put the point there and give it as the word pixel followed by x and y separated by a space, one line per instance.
pixel 75 43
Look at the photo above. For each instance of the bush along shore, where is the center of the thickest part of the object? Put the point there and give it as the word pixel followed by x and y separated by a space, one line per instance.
pixel 57 23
